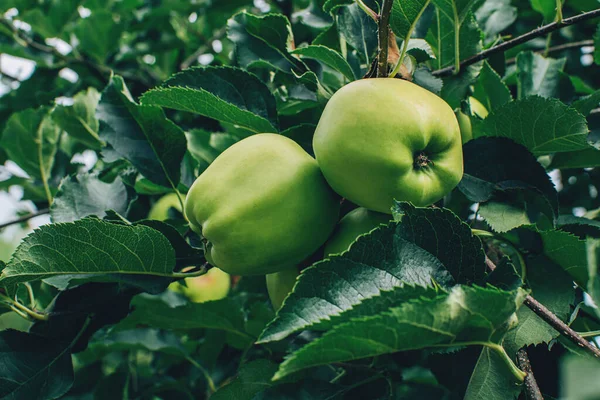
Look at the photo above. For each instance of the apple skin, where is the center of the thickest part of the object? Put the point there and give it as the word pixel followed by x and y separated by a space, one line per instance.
pixel 464 121
pixel 262 205
pixel 280 284
pixel 160 210
pixel 214 285
pixel 357 222
pixel 383 139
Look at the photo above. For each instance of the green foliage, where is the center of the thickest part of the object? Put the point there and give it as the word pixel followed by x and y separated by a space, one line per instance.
pixel 105 106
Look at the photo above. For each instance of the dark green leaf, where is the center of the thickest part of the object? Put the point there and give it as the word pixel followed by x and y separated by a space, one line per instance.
pixel 587 158
pixel 490 90
pixel 359 30
pixel 79 120
pixel 89 246
pixel 404 17
pixel 442 33
pixel 329 57
pixel 465 314
pixel 586 104
pixel 33 367
pixel 542 125
pixel 141 134
pixel 569 252
pixel 579 378
pixel 252 378
pixel 494 16
pixel 83 195
pixel 538 75
pixel 491 380
pixel 223 93
pixel 263 41
pixel 98 35
pixel 30 139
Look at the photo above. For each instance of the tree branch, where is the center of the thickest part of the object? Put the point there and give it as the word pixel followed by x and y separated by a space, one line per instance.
pixel 384 35
pixel 541 311
pixel 541 31
pixel 100 69
pixel 25 218
pixel 532 390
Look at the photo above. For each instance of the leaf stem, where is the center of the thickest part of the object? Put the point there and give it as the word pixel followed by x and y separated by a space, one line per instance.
pixel 456 44
pixel 541 31
pixel 384 36
pixel 25 218
pixel 407 40
pixel 559 14
pixel 209 380
pixel 517 373
pixel 532 390
pixel 201 271
pixel 589 334
pixel 481 232
pixel 367 9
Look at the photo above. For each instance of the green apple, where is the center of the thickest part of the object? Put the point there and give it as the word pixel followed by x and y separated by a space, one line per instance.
pixel 280 284
pixel 214 285
pixel 464 121
pixel 160 209
pixel 262 205
pixel 383 139
pixel 357 222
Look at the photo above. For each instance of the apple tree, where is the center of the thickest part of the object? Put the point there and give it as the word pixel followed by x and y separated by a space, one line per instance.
pixel 299 199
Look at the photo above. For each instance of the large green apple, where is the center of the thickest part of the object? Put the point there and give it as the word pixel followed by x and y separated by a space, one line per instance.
pixel 280 284
pixel 160 210
pixel 384 139
pixel 262 205
pixel 464 121
pixel 214 285
pixel 357 222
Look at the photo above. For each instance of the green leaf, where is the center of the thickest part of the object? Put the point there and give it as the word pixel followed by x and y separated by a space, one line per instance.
pixel 331 5
pixel 491 379
pixel 455 10
pixel 98 35
pixel 30 139
pixel 83 195
pixel 89 246
pixel 33 367
pixel 569 252
pixel 518 188
pixel 465 315
pixel 359 30
pixel 147 338
pixel 329 57
pixel 586 104
pixel 494 16
pixel 441 38
pixel 429 229
pixel 376 262
pixel 587 158
pixel 141 134
pixel 542 125
pixel 490 90
pixel 545 7
pixel 79 120
pixel 52 20
pixel 551 286
pixel 223 93
pixel 404 17
pixel 593 257
pixel 263 41
pixel 538 75
pixel 225 315
pixel 579 378
pixel 400 254
pixel 251 379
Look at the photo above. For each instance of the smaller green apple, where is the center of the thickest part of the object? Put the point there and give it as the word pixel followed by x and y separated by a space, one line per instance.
pixel 160 209
pixel 280 284
pixel 357 222
pixel 214 285
pixel 464 121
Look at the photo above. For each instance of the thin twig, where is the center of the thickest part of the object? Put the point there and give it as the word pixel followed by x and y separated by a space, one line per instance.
pixel 560 47
pixel 384 35
pixel 541 31
pixel 532 390
pixel 25 218
pixel 541 311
